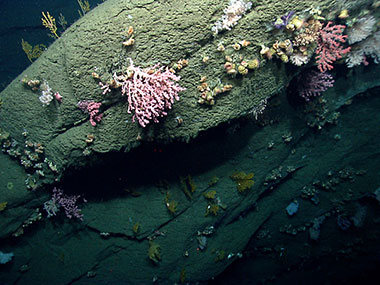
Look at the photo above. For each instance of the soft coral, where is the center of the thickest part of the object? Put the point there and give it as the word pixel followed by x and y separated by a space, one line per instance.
pixel 329 48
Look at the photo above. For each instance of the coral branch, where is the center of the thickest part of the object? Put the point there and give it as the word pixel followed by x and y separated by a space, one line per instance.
pixel 329 48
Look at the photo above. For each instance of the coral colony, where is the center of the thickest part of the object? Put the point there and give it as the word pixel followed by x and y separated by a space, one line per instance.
pixel 368 48
pixel 283 21
pixel 366 43
pixel 92 108
pixel 361 29
pixel 149 91
pixel 329 48
pixel 46 94
pixel 68 203
pixel 232 14
pixel 313 84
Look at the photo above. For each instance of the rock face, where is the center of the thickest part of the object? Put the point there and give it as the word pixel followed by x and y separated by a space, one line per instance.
pixel 161 208
pixel 163 33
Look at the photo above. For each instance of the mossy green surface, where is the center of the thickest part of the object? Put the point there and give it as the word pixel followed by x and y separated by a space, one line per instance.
pixel 165 31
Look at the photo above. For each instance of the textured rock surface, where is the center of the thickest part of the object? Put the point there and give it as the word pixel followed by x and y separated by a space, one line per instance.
pixel 164 32
pixel 119 196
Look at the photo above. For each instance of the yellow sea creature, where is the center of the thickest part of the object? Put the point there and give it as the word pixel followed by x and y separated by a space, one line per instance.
pixel 236 46
pixel 220 48
pixel 30 51
pixel 231 71
pixel 203 86
pixel 3 205
pixel 227 87
pixel 49 22
pixel 284 58
pixel 95 75
pixel 243 181
pixel 267 52
pixel 184 62
pixel 297 22
pixel 84 7
pixel 129 42
pixel 171 205
pixel 136 228
pixel 253 64
pixel 242 70
pixel 210 194
pixel 180 64
pixel 212 208
pixel 217 91
pixel 154 252
pixel 244 43
pixel 130 30
pixel 343 14
pixel 179 120
pixel 228 58
pixel 90 138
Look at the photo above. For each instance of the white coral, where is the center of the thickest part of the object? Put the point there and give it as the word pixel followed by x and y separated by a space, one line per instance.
pixel 361 29
pixel 299 59
pixel 355 57
pixel 232 14
pixel 51 207
pixel 369 47
pixel 46 94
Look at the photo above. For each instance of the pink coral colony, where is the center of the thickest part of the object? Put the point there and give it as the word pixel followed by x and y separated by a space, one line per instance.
pixel 150 92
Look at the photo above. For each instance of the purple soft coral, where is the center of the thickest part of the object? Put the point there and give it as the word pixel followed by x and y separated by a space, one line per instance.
pixel 313 83
pixel 281 23
pixel 68 203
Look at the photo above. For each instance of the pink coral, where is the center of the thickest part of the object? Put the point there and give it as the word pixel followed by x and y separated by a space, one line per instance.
pixel 58 97
pixel 91 108
pixel 150 92
pixel 329 48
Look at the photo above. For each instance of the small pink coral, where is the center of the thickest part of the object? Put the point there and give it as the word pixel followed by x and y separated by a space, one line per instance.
pixel 58 97
pixel 91 108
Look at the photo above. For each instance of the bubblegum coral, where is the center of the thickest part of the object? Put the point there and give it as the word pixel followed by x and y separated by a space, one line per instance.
pixel 91 108
pixel 329 48
pixel 149 91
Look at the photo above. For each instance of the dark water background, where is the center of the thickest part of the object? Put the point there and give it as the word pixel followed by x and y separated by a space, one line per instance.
pixel 21 19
